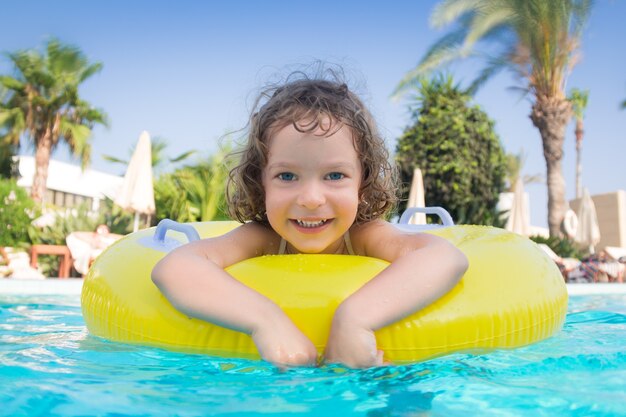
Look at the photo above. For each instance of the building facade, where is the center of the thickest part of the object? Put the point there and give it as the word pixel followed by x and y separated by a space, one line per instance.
pixel 69 185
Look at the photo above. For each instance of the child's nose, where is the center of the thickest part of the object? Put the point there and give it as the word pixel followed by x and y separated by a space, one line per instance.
pixel 311 195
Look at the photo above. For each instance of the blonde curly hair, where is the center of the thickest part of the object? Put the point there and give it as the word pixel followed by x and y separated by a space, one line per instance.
pixel 308 104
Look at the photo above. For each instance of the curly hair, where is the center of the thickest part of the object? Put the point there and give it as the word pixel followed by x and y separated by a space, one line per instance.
pixel 308 104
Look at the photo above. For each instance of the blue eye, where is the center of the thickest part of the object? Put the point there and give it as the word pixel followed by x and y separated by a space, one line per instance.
pixel 335 176
pixel 287 176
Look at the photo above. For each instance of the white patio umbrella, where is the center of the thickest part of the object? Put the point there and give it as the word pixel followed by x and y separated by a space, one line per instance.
pixel 588 231
pixel 416 197
pixel 137 192
pixel 519 215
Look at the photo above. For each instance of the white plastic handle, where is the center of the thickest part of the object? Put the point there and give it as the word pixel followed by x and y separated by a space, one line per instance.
pixel 443 214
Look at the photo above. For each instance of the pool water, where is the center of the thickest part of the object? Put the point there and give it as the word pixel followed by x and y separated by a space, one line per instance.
pixel 50 366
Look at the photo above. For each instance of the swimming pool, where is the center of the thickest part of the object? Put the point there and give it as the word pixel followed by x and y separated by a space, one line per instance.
pixel 49 365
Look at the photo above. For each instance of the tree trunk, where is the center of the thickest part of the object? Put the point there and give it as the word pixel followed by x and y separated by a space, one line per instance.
pixel 579 166
pixel 42 160
pixel 550 115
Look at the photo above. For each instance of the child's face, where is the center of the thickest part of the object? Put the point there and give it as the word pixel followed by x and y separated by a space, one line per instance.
pixel 312 188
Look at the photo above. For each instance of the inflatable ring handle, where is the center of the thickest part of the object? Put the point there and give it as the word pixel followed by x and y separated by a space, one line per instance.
pixel 167 224
pixel 443 214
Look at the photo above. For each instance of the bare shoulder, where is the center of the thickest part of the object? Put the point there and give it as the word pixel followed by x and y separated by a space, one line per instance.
pixel 381 239
pixel 246 241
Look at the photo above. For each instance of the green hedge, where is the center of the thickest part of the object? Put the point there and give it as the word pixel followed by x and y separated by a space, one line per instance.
pixel 17 210
pixel 563 247
pixel 455 145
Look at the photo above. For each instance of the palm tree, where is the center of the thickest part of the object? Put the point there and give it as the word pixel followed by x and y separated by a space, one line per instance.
pixel 536 39
pixel 514 166
pixel 579 100
pixel 195 192
pixel 43 104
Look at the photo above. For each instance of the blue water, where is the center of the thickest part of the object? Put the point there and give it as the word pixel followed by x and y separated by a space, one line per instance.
pixel 50 366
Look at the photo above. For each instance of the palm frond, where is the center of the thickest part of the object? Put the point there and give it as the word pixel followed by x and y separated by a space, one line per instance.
pixel 514 166
pixel 182 156
pixel 551 31
pixel 533 179
pixel 11 83
pixel 93 115
pixel 485 23
pixel 90 70
pixel 495 66
pixel 13 122
pixel 77 136
pixel 521 91
pixel 440 54
pixel 114 159
pixel 448 11
pixel 448 42
pixel 579 99
pixel 581 10
pixel 7 116
pixel 539 39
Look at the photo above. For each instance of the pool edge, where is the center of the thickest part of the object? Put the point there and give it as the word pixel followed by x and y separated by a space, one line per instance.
pixel 51 286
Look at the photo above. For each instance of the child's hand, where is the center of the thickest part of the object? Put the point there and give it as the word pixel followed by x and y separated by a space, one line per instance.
pixel 351 343
pixel 280 342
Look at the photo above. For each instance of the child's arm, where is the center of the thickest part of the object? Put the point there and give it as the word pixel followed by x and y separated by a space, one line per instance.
pixel 423 268
pixel 193 279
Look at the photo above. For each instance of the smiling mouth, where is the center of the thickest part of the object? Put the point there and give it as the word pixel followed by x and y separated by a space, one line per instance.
pixel 311 225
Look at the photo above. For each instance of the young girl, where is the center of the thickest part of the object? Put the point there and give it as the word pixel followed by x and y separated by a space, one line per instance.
pixel 314 177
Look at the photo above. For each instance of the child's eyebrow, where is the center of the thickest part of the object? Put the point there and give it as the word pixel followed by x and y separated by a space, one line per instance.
pixel 340 165
pixel 281 165
pixel 330 166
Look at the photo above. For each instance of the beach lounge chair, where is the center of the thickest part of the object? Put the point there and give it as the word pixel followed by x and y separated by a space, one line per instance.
pixel 612 261
pixel 567 266
pixel 592 269
pixel 616 253
pixel 601 268
pixel 86 246
pixel 4 263
pixel 16 264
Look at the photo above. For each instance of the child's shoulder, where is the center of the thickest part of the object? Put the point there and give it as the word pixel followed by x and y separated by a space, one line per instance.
pixel 370 226
pixel 261 237
pixel 365 235
pixel 381 239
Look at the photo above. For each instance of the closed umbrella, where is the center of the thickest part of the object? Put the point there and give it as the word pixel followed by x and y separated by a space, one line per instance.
pixel 588 231
pixel 519 215
pixel 137 192
pixel 416 197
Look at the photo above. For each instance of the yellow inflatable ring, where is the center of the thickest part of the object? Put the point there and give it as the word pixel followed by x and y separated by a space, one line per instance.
pixel 511 295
